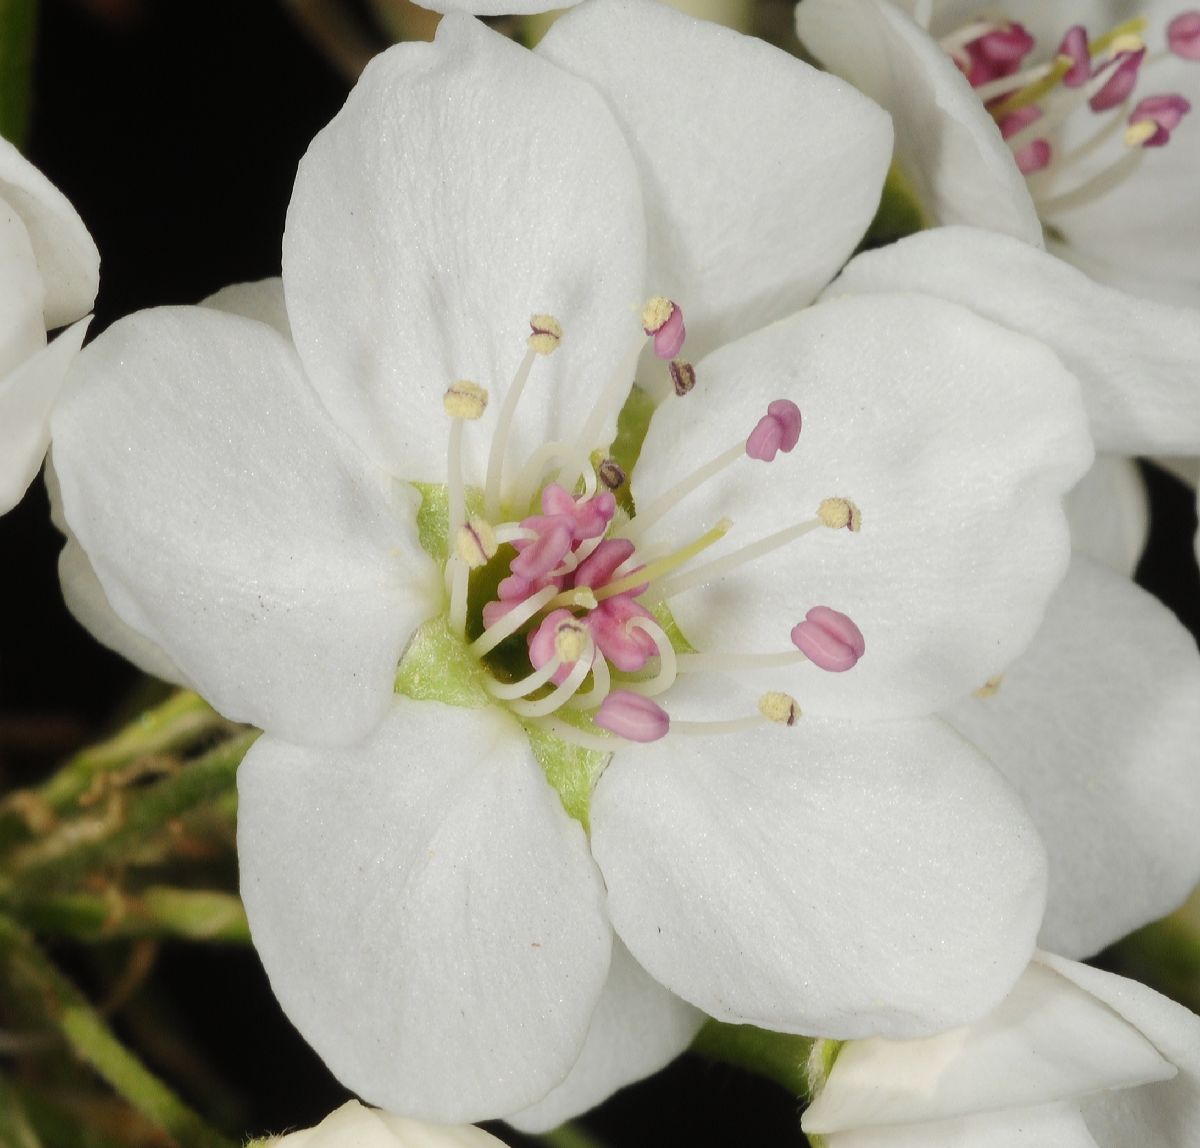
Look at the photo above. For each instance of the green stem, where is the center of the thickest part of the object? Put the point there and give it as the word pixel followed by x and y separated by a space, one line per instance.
pixel 74 847
pixel 569 1136
pixel 16 1131
pixel 159 911
pixel 178 722
pixel 775 1055
pixel 94 1042
pixel 18 33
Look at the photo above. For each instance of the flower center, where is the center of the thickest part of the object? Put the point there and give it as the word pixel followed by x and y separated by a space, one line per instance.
pixel 1078 124
pixel 566 603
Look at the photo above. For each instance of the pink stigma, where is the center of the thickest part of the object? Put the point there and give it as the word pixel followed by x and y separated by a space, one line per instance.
pixel 541 644
pixel 1165 112
pixel 829 640
pixel 668 338
pixel 632 716
pixel 1075 45
pixel 1120 83
pixel 1183 35
pixel 997 53
pixel 778 430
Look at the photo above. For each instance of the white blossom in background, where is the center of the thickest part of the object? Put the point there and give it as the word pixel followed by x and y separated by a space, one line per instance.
pixel 772 841
pixel 1073 1058
pixel 49 273
pixel 356 1126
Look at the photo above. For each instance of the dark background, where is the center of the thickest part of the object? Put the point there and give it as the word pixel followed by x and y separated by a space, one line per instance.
pixel 175 126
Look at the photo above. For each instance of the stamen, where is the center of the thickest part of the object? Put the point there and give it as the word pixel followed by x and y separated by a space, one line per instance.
pixel 1117 35
pixel 1075 46
pixel 475 544
pixel 560 695
pixel 829 639
pixel 1112 176
pixel 601 684
pixel 662 320
pixel 612 474
pixel 699 663
pixel 632 716
pixel 779 707
pixel 573 735
pixel 511 622
pixel 545 334
pixel 956 41
pixel 719 567
pixel 772 707
pixel 507 691
pixel 778 430
pixel 648 515
pixel 1154 119
pixel 1030 95
pixel 464 401
pixel 1005 84
pixel 665 677
pixel 1183 35
pixel 1120 83
pixel 683 376
pixel 840 514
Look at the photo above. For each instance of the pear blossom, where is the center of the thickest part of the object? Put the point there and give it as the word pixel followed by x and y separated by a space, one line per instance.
pixel 544 781
pixel 1072 1058
pixel 356 1126
pixel 49 270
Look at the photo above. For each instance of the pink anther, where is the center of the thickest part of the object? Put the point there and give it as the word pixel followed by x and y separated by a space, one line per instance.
pixel 632 716
pixel 1120 83
pixel 1075 45
pixel 778 430
pixel 1034 155
pixel 1183 35
pixel 669 335
pixel 829 639
pixel 598 567
pixel 627 647
pixel 537 557
pixel 1165 112
pixel 997 53
pixel 542 644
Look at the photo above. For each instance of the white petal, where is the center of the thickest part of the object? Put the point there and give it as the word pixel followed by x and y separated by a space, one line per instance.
pixel 1109 515
pixel 261 300
pixel 1135 359
pixel 428 914
pixel 497 7
pixel 1047 1126
pixel 465 186
pixel 66 256
pixel 355 1126
pixel 947 145
pixel 1165 1115
pixel 956 439
pixel 760 173
pixel 234 527
pixel 1048 1041
pixel 638 1027
pixel 22 331
pixel 836 878
pixel 27 397
pixel 1096 725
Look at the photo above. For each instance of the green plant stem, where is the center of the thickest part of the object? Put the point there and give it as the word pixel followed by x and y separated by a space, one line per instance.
pixel 16 1131
pixel 85 1031
pixel 159 911
pixel 775 1055
pixel 73 848
pixel 178 722
pixel 18 33
pixel 569 1136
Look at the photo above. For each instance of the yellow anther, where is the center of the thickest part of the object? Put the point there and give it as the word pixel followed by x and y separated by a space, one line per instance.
pixel 990 688
pixel 1128 28
pixel 1126 42
pixel 655 313
pixel 545 334
pixel 583 596
pixel 465 400
pixel 570 641
pixel 1137 134
pixel 840 514
pixel 779 708
pixel 475 544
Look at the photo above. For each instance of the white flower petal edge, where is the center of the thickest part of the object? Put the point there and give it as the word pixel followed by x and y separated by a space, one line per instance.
pixel 356 1126
pixel 946 144
pixel 1135 358
pixel 726 874
pixel 1109 775
pixel 497 7
pixel 758 240
pixel 428 914
pixel 638 1027
pixel 1074 1058
pixel 27 397
pixel 66 256
pixel 1109 514
pixel 956 439
pixel 466 185
pixel 261 299
pixel 258 531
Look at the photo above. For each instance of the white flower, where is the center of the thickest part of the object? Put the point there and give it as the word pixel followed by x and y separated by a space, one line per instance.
pixel 49 271
pixel 448 937
pixel 1073 1058
pixel 354 1126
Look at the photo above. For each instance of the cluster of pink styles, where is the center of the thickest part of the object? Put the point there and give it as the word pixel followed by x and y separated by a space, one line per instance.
pixel 1087 77
pixel 576 587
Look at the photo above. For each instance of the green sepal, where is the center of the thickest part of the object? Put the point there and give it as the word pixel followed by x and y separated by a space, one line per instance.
pixel 899 214
pixel 433 518
pixel 18 35
pixel 777 1056
pixel 437 666
pixel 571 769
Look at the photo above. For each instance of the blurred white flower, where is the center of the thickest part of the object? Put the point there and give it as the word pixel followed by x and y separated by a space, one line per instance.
pixel 356 1126
pixel 1073 1058
pixel 49 271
